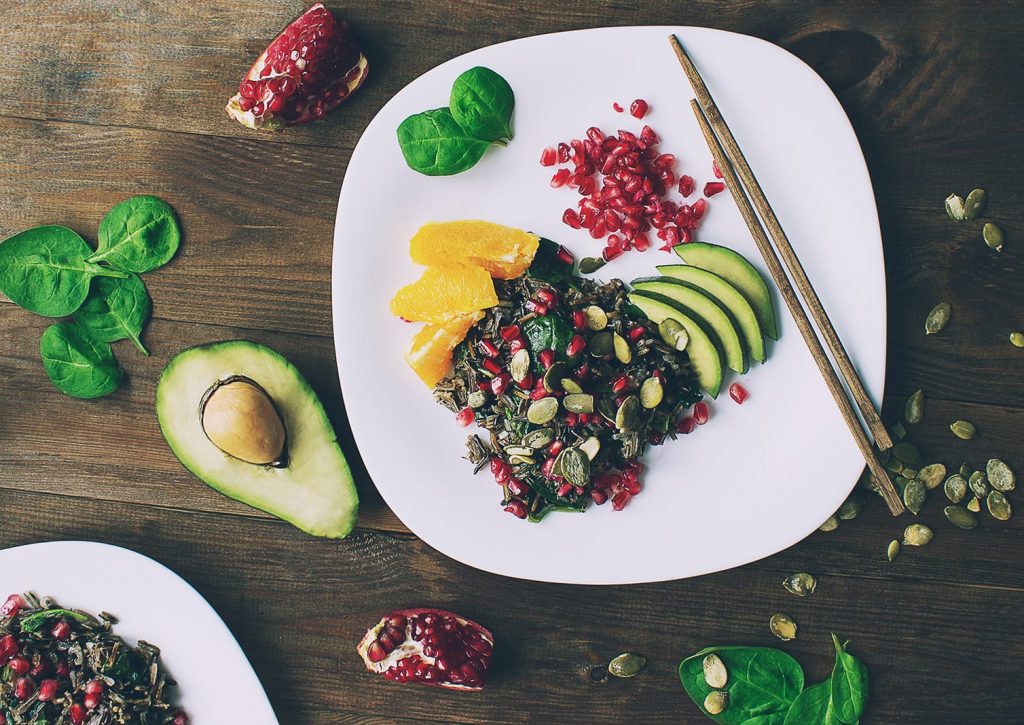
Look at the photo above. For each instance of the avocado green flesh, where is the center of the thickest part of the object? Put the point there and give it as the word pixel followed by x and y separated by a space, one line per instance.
pixel 728 297
pixel 706 310
pixel 737 271
pixel 315 491
pixel 704 357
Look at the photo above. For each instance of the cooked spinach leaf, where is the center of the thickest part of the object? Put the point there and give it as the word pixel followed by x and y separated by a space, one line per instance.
pixel 116 309
pixel 550 332
pixel 35 622
pixel 481 103
pixel 76 363
pixel 138 235
pixel 435 145
pixel 548 267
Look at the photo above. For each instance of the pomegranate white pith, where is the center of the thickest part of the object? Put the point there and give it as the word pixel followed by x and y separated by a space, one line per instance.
pixel 308 70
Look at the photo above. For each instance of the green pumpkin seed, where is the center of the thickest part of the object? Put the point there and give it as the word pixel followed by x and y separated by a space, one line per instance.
pixel 589 265
pixel 892 550
pixel 538 438
pixel 622 352
pixel 914 496
pixel 938 318
pixel 542 411
pixel 579 403
pixel 974 505
pixel 954 207
pixel 961 517
pixel 913 411
pixel 955 488
pixel 998 506
pixel 651 392
pixel 601 344
pixel 626 665
pixel 974 204
pixel 898 432
pixel 522 460
pixel 979 484
pixel 965 470
pixel 715 673
pixel 571 386
pixel 519 365
pixel 476 399
pixel 591 446
pixel 628 414
pixel 575 467
pixel 673 334
pixel 893 465
pixel 606 407
pixel 962 429
pixel 553 377
pixel 1000 475
pixel 901 483
pixel 1017 339
pixel 801 584
pixel 932 475
pixel 519 450
pixel 907 453
pixel 909 473
pixel 597 318
pixel 716 702
pixel 917 535
pixel 782 627
pixel 831 524
pixel 993 236
pixel 849 510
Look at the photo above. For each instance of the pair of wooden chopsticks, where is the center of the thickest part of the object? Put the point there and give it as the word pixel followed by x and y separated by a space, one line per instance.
pixel 734 168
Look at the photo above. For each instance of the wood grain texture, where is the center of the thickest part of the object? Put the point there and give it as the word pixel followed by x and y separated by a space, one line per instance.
pixel 105 99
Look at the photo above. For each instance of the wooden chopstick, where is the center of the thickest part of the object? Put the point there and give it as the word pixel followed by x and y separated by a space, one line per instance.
pixel 789 295
pixel 796 269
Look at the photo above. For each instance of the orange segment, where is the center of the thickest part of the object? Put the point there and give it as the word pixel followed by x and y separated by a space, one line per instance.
pixel 431 352
pixel 503 251
pixel 445 292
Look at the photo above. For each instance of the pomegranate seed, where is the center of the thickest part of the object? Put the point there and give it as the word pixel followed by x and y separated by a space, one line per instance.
pixel 713 187
pixel 701 413
pixel 547 467
pixel 565 255
pixel 516 345
pixel 501 470
pixel 180 719
pixel 610 253
pixel 558 180
pixel 23 688
pixel 579 319
pixel 488 348
pixel 11 606
pixel 465 416
pixel 583 371
pixel 575 346
pixel 517 509
pixel 77 714
pixel 563 153
pixel 539 308
pixel 509 332
pixel 546 357
pixel 19 665
pixel 635 332
pixel 641 243
pixel 714 167
pixel 598 497
pixel 91 701
pixel 571 218
pixel 47 690
pixel 595 135
pixel 62 669
pixel 700 208
pixel 738 393
pixel 500 383
pixel 686 185
pixel 40 669
pixel 538 393
pixel 620 500
pixel 555 447
pixel 490 366
pixel 571 419
pixel 617 108
pixel 548 156
pixel 516 487
pixel 527 382
pixel 620 384
pixel 564 490
pixel 632 486
pixel 8 645
pixel 686 425
pixel 547 296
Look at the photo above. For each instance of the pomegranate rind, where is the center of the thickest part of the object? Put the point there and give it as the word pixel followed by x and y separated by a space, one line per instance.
pixel 505 252
pixel 430 354
pixel 445 292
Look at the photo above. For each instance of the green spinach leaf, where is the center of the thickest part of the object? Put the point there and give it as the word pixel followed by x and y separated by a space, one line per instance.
pixel 548 267
pixel 435 145
pixel 814 706
pixel 116 309
pixel 550 332
pixel 849 685
pixel 77 364
pixel 481 103
pixel 138 235
pixel 35 622
pixel 45 270
pixel 763 684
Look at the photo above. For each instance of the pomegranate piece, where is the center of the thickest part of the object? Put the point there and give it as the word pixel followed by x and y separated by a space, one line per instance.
pixel 738 393
pixel 429 647
pixel 638 108
pixel 306 72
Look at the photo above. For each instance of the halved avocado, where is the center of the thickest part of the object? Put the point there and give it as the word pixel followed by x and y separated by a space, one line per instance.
pixel 706 310
pixel 737 271
pixel 728 297
pixel 275 447
pixel 704 357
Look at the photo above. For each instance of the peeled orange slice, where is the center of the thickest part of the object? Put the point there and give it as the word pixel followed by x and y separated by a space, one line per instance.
pixel 445 292
pixel 503 251
pixel 431 352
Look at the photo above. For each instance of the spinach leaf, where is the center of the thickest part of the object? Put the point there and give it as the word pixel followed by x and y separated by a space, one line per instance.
pixel 138 235
pixel 117 309
pixel 814 706
pixel 35 622
pixel 548 267
pixel 849 685
pixel 550 332
pixel 77 364
pixel 763 684
pixel 45 270
pixel 435 145
pixel 481 103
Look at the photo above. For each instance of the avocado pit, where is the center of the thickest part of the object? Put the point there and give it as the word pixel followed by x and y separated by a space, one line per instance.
pixel 239 418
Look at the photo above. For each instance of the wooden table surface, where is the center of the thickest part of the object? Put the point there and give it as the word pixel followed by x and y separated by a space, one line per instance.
pixel 101 100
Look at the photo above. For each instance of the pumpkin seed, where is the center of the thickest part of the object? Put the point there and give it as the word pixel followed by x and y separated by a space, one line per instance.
pixel 606 407
pixel 538 438
pixel 998 506
pixel 913 411
pixel 597 318
pixel 909 473
pixel 571 386
pixel 782 627
pixel 553 377
pixel 932 475
pixel 907 453
pixel 966 470
pixel 974 505
pixel 962 429
pixel 993 236
pixel 974 204
pixel 519 365
pixel 954 207
pixel 892 550
pixel 601 344
pixel 1017 339
pixel 626 665
pixel 901 483
pixel 960 517
pixel 715 673
pixel 575 466
pixel 651 392
pixel 914 496
pixel 542 411
pixel 898 432
pixel 955 488
pixel 591 446
pixel 801 584
pixel 893 465
pixel 938 318
pixel 1000 475
pixel 831 524
pixel 519 450
pixel 716 702
pixel 579 403
pixel 556 467
pixel 978 484
pixel 917 535
pixel 673 334
pixel 627 414
pixel 589 265
pixel 849 510
pixel 476 399
pixel 522 460
pixel 622 352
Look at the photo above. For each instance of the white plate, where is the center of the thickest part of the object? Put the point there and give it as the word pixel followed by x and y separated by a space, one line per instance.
pixel 757 478
pixel 216 683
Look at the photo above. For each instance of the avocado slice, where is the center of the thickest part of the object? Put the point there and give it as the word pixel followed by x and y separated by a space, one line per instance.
pixel 704 309
pixel 704 357
pixel 284 457
pixel 737 271
pixel 728 297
